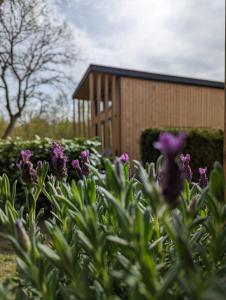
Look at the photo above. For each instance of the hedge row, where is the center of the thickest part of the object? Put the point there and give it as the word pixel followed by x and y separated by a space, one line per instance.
pixel 205 146
pixel 10 153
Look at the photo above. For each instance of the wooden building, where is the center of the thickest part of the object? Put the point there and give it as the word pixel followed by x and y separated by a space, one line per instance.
pixel 117 104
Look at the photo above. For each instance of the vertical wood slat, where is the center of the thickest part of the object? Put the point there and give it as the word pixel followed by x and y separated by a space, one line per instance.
pixel 98 103
pixel 74 120
pixel 84 118
pixel 114 130
pixel 92 105
pixel 89 122
pixel 79 118
pixel 106 130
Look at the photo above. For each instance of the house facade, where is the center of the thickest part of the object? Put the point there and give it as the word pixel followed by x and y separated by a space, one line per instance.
pixel 117 104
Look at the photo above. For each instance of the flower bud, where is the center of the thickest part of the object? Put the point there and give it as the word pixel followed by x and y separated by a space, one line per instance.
pixel 22 236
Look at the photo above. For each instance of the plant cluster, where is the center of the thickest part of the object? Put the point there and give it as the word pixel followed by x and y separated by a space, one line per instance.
pixel 41 149
pixel 204 145
pixel 154 235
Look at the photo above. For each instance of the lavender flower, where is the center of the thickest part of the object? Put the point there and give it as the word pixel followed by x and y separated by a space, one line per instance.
pixel 84 162
pixel 59 161
pixel 85 156
pixel 185 160
pixel 203 179
pixel 171 180
pixel 25 155
pixel 28 173
pixel 124 158
pixel 81 166
pixel 76 165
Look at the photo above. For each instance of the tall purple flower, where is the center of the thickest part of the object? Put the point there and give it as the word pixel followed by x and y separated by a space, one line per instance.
pixel 76 166
pixel 124 158
pixel 185 160
pixel 171 174
pixel 85 162
pixel 203 179
pixel 59 161
pixel 82 166
pixel 28 172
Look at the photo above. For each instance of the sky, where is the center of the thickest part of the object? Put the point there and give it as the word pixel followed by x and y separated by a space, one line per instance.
pixel 177 37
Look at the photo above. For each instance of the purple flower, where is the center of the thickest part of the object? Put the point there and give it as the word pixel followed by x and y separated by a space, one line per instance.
pixel 169 144
pixel 85 155
pixel 84 162
pixel 59 161
pixel 185 160
pixel 82 166
pixel 28 173
pixel 76 165
pixel 124 158
pixel 203 179
pixel 25 155
pixel 171 178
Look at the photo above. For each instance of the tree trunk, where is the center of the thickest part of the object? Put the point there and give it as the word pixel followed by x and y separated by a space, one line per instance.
pixel 10 127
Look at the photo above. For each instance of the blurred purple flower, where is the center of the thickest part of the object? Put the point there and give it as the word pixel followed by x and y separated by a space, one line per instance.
pixel 25 155
pixel 82 166
pixel 203 179
pixel 85 155
pixel 185 160
pixel 28 173
pixel 169 144
pixel 59 161
pixel 76 166
pixel 124 158
pixel 171 179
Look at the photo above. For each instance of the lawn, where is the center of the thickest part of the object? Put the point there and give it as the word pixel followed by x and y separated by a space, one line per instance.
pixel 7 261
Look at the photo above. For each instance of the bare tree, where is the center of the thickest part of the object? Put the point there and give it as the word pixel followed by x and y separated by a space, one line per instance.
pixel 34 50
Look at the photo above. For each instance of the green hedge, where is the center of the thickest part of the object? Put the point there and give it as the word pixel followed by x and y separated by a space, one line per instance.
pixel 10 153
pixel 205 146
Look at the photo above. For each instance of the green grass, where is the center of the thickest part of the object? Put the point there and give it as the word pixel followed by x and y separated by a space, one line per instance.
pixel 7 266
pixel 7 261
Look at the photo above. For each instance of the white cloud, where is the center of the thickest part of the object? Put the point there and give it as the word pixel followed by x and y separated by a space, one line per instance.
pixel 183 37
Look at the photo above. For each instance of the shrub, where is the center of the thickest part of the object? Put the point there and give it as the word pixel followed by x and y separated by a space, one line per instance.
pixel 204 146
pixel 115 237
pixel 10 153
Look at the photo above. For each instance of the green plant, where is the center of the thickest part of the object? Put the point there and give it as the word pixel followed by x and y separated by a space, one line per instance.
pixel 10 153
pixel 205 146
pixel 115 237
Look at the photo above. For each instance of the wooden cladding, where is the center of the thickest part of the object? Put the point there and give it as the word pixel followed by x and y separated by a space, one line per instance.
pixel 118 108
pixel 146 104
pixel 104 111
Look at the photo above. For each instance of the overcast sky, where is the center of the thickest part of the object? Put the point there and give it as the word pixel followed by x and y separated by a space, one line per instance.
pixel 180 37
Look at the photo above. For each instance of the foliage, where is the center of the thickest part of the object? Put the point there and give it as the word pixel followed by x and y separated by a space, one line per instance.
pixel 43 128
pixel 204 146
pixel 10 152
pixel 115 237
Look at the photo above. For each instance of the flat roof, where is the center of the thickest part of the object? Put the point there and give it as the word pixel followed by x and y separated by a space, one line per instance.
pixel 119 72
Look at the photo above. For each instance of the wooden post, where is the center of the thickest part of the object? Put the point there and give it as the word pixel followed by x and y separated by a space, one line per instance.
pixel 84 118
pixel 92 105
pixel 114 114
pixel 89 119
pixel 74 126
pixel 98 103
pixel 79 119
pixel 106 97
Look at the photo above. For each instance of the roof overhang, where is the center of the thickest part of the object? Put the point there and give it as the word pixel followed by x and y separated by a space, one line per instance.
pixel 82 90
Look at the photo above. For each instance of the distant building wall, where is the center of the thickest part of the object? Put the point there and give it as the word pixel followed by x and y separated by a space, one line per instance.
pixel 146 103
